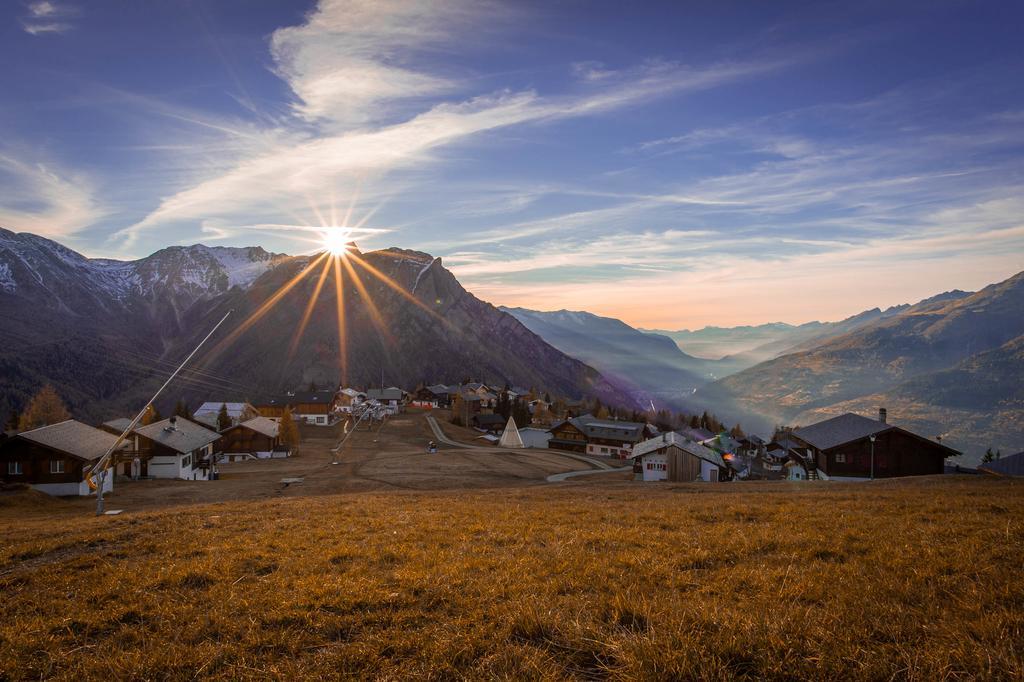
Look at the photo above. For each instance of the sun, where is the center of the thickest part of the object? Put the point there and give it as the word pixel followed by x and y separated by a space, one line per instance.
pixel 336 240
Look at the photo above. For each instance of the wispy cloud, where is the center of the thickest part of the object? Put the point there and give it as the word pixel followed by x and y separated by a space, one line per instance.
pixel 43 199
pixel 46 16
pixel 351 63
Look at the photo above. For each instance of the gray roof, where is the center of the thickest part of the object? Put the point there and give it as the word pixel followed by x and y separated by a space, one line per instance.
pixel 184 437
pixel 696 435
pixel 119 424
pixel 391 393
pixel 1013 465
pixel 262 425
pixel 439 389
pixel 235 410
pixel 592 427
pixel 677 440
pixel 840 430
pixel 72 438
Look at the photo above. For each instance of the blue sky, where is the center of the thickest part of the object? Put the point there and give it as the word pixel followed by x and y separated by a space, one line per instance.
pixel 674 164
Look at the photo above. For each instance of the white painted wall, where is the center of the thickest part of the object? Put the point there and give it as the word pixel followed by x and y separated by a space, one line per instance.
pixel 655 466
pixel 708 471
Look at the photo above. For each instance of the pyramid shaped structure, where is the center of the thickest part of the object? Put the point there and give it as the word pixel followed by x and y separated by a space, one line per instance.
pixel 510 437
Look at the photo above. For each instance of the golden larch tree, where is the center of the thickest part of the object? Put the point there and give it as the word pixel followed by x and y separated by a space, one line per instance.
pixel 45 408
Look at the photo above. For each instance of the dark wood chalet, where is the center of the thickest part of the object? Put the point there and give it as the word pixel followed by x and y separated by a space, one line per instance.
pixel 567 435
pixel 55 459
pixel 257 437
pixel 843 446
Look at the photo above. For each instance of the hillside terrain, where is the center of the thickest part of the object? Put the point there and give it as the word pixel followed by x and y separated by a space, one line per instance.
pixel 915 363
pixel 106 332
pixel 648 364
pixel 875 582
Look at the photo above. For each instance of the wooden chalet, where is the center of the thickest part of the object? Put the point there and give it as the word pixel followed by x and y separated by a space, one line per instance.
pixel 178 448
pixel 312 407
pixel 603 437
pixel 256 438
pixel 671 457
pixel 55 459
pixel 843 447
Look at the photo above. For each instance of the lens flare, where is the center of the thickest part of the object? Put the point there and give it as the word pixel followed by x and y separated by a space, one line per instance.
pixel 336 240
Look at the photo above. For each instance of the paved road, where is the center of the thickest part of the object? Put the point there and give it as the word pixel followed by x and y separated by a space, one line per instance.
pixel 596 465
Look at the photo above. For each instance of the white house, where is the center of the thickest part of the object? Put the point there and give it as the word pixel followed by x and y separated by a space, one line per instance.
pixel 534 437
pixel 178 448
pixel 671 457
pixel 349 398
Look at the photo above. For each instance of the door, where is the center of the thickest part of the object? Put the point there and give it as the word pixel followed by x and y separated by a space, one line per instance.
pixel 713 475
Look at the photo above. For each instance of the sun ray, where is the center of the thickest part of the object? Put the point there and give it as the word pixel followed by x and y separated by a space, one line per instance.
pixel 342 340
pixel 395 286
pixel 308 312
pixel 375 316
pixel 263 309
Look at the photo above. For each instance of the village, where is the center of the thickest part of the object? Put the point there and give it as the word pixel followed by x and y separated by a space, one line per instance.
pixel 574 437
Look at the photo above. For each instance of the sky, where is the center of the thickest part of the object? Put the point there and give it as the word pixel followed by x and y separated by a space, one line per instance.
pixel 674 165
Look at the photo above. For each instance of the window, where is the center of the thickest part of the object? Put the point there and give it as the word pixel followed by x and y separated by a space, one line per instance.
pixel 186 461
pixel 840 458
pixel 56 466
pixel 14 469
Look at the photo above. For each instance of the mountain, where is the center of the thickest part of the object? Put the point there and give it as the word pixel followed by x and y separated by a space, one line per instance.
pixel 107 332
pixel 649 364
pixel 914 356
pixel 976 404
pixel 719 342
pixel 738 348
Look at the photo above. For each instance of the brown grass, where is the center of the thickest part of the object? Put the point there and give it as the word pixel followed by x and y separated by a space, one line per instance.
pixel 907 579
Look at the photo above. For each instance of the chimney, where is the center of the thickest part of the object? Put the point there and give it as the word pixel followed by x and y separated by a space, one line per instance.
pixel 881 415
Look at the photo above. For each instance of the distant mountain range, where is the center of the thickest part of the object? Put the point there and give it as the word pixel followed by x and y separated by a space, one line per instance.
pixel 649 365
pixel 948 366
pixel 107 332
pixel 914 363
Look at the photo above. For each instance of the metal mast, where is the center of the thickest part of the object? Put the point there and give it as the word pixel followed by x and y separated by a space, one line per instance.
pixel 103 464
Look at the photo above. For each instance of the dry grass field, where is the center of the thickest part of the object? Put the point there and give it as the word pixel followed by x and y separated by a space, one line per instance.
pixel 912 579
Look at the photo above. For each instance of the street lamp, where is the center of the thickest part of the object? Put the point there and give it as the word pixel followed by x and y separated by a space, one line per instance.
pixel 872 439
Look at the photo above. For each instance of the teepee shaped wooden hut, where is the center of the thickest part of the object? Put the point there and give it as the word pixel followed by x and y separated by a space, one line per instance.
pixel 510 437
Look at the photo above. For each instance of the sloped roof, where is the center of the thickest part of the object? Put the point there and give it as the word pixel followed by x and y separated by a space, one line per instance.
pixel 677 440
pixel 119 424
pixel 696 435
pixel 185 436
pixel 72 438
pixel 489 419
pixel 262 425
pixel 439 389
pixel 391 393
pixel 1012 465
pixel 235 410
pixel 351 392
pixel 592 427
pixel 840 430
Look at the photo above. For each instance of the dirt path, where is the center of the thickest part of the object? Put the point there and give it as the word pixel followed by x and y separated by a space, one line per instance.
pixel 596 466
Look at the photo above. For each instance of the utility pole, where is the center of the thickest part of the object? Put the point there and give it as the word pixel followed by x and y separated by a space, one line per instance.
pixel 102 465
pixel 872 439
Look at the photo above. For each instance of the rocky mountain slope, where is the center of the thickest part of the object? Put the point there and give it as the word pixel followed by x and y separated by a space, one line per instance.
pixel 915 358
pixel 649 364
pixel 105 332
